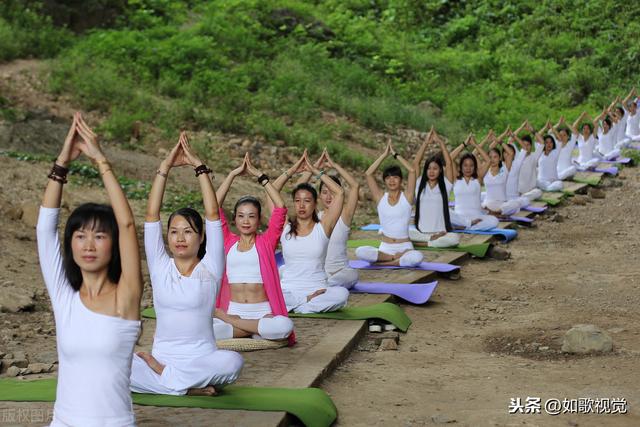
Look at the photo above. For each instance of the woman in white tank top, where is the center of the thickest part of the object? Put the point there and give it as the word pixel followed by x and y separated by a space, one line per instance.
pixel 620 125
pixel 587 158
pixel 304 243
pixel 567 143
pixel 95 290
pixel 184 358
pixel 548 166
pixel 337 263
pixel 250 302
pixel 394 212
pixel 606 137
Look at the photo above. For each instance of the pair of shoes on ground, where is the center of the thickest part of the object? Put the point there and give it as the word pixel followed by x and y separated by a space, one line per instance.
pixel 378 326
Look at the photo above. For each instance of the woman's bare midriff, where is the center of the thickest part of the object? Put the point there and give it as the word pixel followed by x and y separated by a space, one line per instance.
pixel 248 293
pixel 392 240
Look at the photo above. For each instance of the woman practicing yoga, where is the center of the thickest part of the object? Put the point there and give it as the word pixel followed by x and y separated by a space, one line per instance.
pixel 619 125
pixel 586 143
pixel 548 163
pixel 184 358
pixel 567 142
pixel 633 117
pixel 528 176
pixel 95 285
pixel 495 175
pixel 250 302
pixel 394 212
pixel 606 146
pixel 468 212
pixel 337 264
pixel 305 240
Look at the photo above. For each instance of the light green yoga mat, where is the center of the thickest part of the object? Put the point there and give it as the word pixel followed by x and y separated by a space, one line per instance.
pixel 591 180
pixel 552 202
pixel 385 311
pixel 311 405
pixel 478 249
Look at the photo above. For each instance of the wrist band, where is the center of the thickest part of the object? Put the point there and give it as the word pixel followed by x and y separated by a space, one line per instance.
pixel 58 173
pixel 105 171
pixel 263 179
pixel 395 155
pixel 319 174
pixel 162 174
pixel 202 169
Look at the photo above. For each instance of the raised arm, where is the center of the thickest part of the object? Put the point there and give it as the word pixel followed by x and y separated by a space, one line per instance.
pixel 449 168
pixel 211 207
pixel 129 289
pixel 628 98
pixel 332 214
pixel 574 127
pixel 175 158
pixel 456 152
pixel 279 183
pixel 274 195
pixel 223 189
pixel 375 189
pixel 351 203
pixel 410 188
pixel 483 166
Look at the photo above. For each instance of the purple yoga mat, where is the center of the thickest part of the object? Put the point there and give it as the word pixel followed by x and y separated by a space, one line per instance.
pixel 416 293
pixel 612 170
pixel 535 209
pixel 427 266
pixel 622 160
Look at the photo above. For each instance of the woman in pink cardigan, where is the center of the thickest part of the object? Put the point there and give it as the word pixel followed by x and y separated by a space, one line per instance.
pixel 250 301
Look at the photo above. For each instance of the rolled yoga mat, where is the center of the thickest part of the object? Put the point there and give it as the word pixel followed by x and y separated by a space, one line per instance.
pixel 477 249
pixel 385 310
pixel 427 266
pixel 505 234
pixel 311 405
pixel 416 293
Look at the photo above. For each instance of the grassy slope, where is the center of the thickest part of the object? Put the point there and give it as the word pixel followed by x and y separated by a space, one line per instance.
pixel 272 68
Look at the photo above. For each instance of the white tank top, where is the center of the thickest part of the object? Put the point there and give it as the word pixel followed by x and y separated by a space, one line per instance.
pixel 496 186
pixel 394 220
pixel 431 213
pixel 528 178
pixel 566 152
pixel 243 267
pixel 586 148
pixel 620 130
pixel 548 166
pixel 304 259
pixel 633 124
pixel 337 257
pixel 513 176
pixel 467 197
pixel 606 142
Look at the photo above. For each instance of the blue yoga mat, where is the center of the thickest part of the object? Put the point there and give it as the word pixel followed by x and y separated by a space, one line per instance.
pixel 504 233
pixel 370 227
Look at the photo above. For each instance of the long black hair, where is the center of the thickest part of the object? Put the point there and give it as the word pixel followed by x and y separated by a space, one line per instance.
pixel 95 217
pixel 499 156
pixel 443 192
pixel 475 165
pixel 553 141
pixel 195 221
pixel 293 223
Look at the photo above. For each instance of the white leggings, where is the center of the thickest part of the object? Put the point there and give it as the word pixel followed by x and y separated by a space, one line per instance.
pixel 487 222
pixel 269 328
pixel 505 208
pixel 611 154
pixel 545 185
pixel 588 164
pixel 410 258
pixel 623 144
pixel 346 277
pixel 217 369
pixel 447 241
pixel 334 298
pixel 567 173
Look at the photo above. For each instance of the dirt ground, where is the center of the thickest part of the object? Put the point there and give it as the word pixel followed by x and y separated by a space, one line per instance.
pixel 491 336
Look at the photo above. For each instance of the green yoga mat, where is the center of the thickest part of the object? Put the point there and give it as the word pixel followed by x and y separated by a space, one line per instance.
pixel 477 249
pixel 552 202
pixel 385 311
pixel 591 180
pixel 311 405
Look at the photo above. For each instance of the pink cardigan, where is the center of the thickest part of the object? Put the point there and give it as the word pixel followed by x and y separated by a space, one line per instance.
pixel 266 244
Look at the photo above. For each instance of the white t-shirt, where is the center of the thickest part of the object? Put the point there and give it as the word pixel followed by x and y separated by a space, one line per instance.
pixel 513 178
pixel 548 165
pixel 496 186
pixel 633 124
pixel 566 152
pixel 394 220
pixel 431 213
pixel 528 178
pixel 586 148
pixel 337 257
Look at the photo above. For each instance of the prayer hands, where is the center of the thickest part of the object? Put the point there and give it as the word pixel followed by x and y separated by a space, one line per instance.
pixel 89 145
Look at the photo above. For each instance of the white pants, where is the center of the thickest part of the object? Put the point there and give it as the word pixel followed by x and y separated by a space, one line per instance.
pixel 505 208
pixel 447 241
pixel 550 185
pixel 532 195
pixel 623 144
pixel 588 164
pixel 410 258
pixel 346 277
pixel 269 328
pixel 217 369
pixel 633 138
pixel 611 154
pixel 487 222
pixel 567 173
pixel 334 298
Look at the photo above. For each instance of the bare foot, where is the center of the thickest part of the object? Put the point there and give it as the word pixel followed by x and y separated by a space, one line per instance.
pixel 152 362
pixel 207 391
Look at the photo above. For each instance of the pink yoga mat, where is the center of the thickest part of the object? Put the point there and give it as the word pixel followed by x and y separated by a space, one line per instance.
pixel 416 293
pixel 427 266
